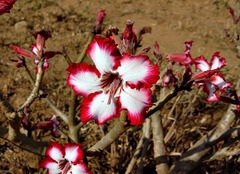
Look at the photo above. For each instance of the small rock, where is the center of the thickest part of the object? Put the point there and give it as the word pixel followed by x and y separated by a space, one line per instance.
pixel 21 27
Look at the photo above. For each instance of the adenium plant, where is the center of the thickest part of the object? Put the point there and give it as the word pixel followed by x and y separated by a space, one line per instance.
pixel 118 80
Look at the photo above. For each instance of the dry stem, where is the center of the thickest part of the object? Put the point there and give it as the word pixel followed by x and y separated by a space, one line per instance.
pixel 158 144
pixel 189 159
pixel 35 91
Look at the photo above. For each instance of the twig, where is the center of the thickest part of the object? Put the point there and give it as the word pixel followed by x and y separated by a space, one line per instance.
pixel 35 91
pixel 72 121
pixel 46 99
pixel 83 53
pixel 25 143
pixel 166 120
pixel 58 112
pixel 66 57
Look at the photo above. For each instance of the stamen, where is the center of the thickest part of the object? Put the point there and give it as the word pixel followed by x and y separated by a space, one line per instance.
pixel 111 83
pixel 65 166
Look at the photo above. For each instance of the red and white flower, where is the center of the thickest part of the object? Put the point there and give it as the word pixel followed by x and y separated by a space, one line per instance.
pixel 64 159
pixel 183 58
pixel 209 76
pixel 115 83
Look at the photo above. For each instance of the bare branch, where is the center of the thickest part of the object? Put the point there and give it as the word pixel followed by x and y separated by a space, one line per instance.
pixel 190 158
pixel 35 91
pixel 112 135
pixel 158 142
pixel 46 99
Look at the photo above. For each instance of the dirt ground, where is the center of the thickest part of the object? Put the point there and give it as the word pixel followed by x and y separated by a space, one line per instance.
pixel 172 22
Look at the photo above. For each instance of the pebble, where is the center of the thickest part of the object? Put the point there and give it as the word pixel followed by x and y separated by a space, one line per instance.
pixel 21 27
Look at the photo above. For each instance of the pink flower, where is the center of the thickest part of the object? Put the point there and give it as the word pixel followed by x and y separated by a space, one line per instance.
pixel 64 159
pixel 115 83
pixel 184 58
pixel 6 5
pixel 209 76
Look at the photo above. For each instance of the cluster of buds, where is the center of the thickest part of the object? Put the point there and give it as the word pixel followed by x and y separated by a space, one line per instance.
pixel 37 52
pixel 130 39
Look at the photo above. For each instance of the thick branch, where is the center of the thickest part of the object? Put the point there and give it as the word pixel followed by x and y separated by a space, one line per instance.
pixel 158 144
pixel 111 136
pixel 25 143
pixel 121 126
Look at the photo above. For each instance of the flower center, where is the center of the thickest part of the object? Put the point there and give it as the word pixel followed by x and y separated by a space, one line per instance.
pixel 111 82
pixel 65 166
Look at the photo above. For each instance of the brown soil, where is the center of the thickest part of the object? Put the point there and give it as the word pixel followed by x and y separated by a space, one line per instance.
pixel 172 22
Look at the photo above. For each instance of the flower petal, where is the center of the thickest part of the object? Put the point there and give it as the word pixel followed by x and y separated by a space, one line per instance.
pixel 137 71
pixel 55 151
pixel 201 63
pixel 83 78
pixel 51 165
pixel 73 152
pixel 217 61
pixel 80 168
pixel 99 107
pixel 210 89
pixel 136 102
pixel 181 58
pixel 23 52
pixel 200 76
pixel 219 81
pixel 103 52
